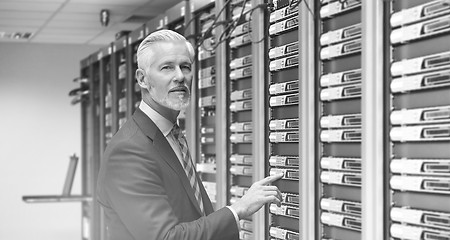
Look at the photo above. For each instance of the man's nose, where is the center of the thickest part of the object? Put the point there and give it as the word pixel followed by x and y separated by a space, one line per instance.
pixel 179 75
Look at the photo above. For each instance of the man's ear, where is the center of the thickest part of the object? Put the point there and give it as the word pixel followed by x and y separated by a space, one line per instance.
pixel 140 78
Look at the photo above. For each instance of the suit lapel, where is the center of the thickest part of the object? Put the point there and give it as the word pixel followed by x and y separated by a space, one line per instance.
pixel 165 150
pixel 206 201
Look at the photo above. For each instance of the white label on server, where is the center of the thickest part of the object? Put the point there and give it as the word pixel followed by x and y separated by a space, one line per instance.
pixel 420 12
pixel 419 30
pixel 340 121
pixel 239 41
pixel 406 166
pixel 339 35
pixel 331 37
pixel 337 163
pixel 406 215
pixel 417 233
pixel 421 166
pixel 419 82
pixel 421 184
pixel 241 159
pixel 332 177
pixel 337 7
pixel 241 127
pixel 421 115
pixel 429 62
pixel 282 13
pixel 421 133
pixel 240 106
pixel 332 219
pixel 406 33
pixel 331 204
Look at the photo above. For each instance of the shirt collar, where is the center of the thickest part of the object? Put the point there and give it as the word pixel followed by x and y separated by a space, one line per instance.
pixel 164 125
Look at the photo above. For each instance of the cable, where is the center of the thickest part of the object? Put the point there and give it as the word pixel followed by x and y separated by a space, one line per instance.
pixel 346 1
pixel 186 25
pixel 213 25
pixel 309 9
pixel 228 30
pixel 231 27
pixel 293 4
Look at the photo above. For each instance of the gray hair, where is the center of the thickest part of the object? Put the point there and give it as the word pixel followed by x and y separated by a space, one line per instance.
pixel 163 35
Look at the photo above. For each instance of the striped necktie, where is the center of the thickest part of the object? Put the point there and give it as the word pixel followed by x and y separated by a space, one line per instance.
pixel 188 166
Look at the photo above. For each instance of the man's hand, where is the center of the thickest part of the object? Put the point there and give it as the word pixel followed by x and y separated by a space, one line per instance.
pixel 260 193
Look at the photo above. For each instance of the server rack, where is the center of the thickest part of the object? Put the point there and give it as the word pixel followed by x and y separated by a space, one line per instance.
pixel 97 103
pixel 339 119
pixel 222 103
pixel 121 83
pixel 106 131
pixel 206 96
pixel 134 94
pixel 237 36
pixel 418 110
pixel 282 124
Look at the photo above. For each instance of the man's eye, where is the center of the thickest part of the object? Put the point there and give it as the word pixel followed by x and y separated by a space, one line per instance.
pixel 166 67
pixel 186 67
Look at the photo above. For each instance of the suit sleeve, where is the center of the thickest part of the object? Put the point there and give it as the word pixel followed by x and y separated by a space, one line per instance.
pixel 134 188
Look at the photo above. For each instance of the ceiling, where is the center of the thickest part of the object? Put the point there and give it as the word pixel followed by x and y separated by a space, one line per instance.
pixel 74 21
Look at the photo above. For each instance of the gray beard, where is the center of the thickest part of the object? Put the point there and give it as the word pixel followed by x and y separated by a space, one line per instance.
pixel 177 105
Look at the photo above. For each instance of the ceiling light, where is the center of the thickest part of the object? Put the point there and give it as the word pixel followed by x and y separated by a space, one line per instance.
pixel 16 35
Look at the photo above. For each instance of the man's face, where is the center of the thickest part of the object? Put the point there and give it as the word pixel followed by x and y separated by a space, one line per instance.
pixel 169 74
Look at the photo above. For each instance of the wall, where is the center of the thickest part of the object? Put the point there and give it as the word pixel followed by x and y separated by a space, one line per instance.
pixel 39 131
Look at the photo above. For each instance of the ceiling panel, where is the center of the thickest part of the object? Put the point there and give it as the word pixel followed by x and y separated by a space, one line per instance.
pixel 12 40
pixel 75 21
pixel 30 6
pixel 18 29
pixel 85 17
pixel 64 31
pixel 104 38
pixel 8 14
pixel 60 39
pixel 113 2
pixel 76 24
pixel 21 22
pixel 95 8
pixel 36 1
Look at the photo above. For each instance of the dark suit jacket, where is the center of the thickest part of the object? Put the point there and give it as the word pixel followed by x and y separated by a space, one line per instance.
pixel 145 192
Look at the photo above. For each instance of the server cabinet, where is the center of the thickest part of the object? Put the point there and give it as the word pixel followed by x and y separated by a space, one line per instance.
pixel 134 94
pixel 97 103
pixel 237 35
pixel 282 124
pixel 120 83
pixel 205 79
pixel 339 119
pixel 419 117
pixel 106 121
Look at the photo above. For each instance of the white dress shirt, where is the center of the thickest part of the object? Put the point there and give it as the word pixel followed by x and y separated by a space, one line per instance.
pixel 165 126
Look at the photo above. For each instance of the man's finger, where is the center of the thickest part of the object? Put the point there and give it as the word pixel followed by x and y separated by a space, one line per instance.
pixel 271 179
